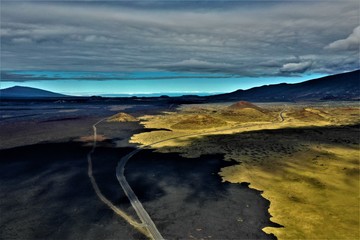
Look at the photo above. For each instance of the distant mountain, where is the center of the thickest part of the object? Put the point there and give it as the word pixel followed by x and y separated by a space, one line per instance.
pixel 28 92
pixel 159 94
pixel 345 86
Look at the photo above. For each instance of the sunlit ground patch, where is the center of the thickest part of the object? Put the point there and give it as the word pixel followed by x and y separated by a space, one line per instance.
pixel 307 165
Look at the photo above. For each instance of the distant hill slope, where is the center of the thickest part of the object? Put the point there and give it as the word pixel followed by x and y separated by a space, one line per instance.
pixel 345 86
pixel 244 105
pixel 122 117
pixel 28 92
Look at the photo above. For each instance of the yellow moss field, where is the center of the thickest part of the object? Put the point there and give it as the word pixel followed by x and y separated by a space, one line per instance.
pixel 314 195
pixel 307 164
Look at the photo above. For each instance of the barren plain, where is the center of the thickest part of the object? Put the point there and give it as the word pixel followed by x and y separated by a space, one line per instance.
pixel 234 170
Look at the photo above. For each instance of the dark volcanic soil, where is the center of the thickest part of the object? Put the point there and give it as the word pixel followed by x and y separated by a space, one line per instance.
pixel 187 199
pixel 46 194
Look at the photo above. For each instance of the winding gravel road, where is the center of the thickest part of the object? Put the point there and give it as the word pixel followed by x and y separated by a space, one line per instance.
pixel 136 204
pixel 146 220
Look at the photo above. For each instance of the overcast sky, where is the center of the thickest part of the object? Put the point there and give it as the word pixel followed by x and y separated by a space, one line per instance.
pixel 242 38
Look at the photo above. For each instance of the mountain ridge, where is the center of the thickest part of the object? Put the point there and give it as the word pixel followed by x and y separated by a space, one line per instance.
pixel 28 92
pixel 343 86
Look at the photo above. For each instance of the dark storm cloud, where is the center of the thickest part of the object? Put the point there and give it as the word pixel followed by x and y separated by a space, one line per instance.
pixel 246 38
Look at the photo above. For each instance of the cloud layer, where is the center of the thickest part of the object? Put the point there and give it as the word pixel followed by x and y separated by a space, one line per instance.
pixel 257 38
pixel 296 67
pixel 351 43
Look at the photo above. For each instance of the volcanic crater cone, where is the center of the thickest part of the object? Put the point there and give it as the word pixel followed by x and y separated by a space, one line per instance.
pixel 122 117
pixel 245 105
pixel 246 112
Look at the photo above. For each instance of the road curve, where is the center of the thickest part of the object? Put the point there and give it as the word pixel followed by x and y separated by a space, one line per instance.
pixel 146 220
pixel 141 212
pixel 281 114
pixel 129 219
pixel 136 204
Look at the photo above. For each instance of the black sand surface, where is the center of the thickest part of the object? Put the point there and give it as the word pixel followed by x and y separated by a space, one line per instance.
pixel 45 193
pixel 187 199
